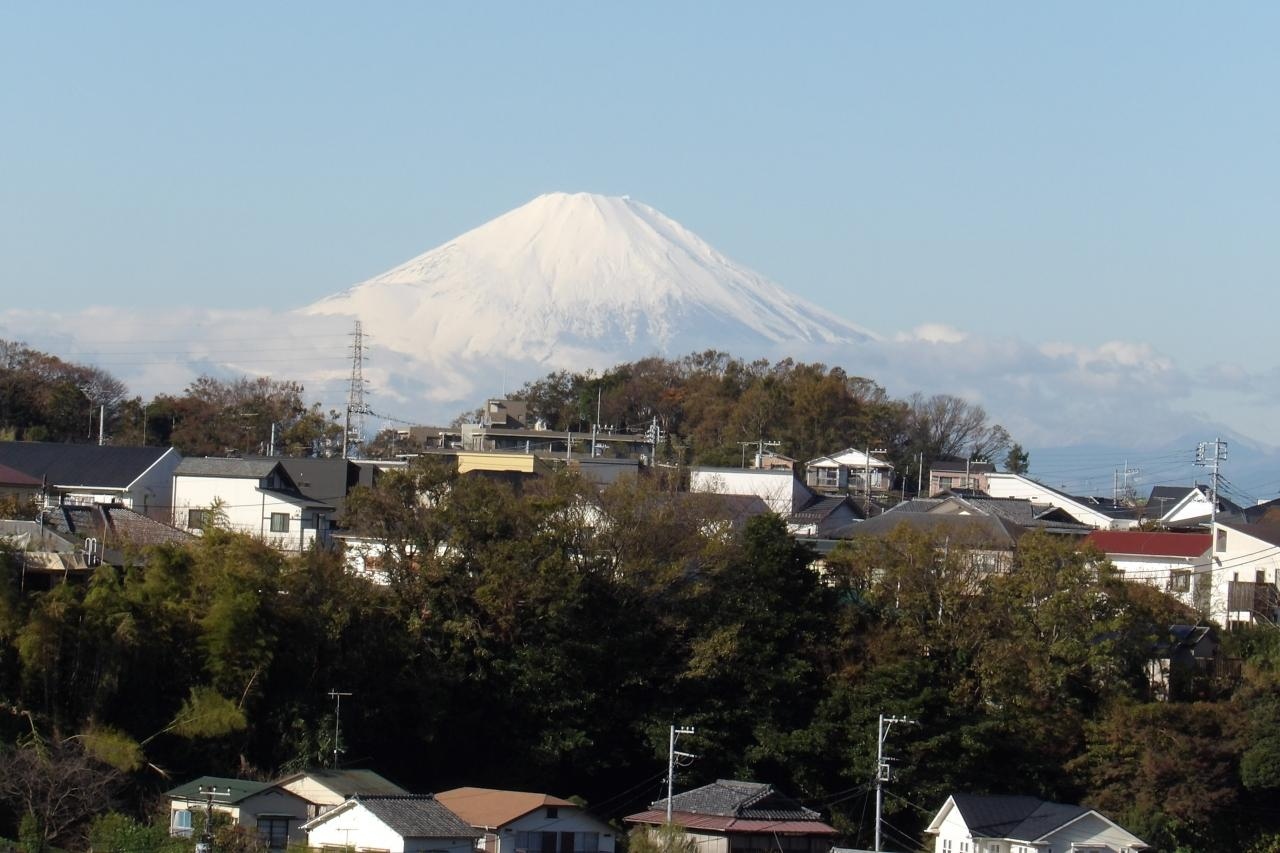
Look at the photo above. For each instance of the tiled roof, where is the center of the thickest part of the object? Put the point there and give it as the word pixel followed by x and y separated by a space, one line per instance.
pixel 746 800
pixel 80 464
pixel 972 529
pixel 718 823
pixel 1149 544
pixel 488 807
pixel 818 511
pixel 116 525
pixel 417 816
pixel 1013 817
pixel 227 790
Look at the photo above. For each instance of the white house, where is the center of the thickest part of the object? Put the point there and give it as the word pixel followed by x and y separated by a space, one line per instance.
pixel 276 814
pixel 394 824
pixel 975 823
pixel 780 490
pixel 849 470
pixel 139 478
pixel 326 789
pixel 1095 512
pixel 1175 563
pixel 254 496
pixel 524 822
pixel 1246 574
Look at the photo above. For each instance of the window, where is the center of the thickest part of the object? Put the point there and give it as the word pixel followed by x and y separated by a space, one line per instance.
pixel 1221 542
pixel 279 522
pixel 1260 576
pixel 274 830
pixel 552 811
pixel 182 823
pixel 1180 580
pixel 945 483
pixel 196 518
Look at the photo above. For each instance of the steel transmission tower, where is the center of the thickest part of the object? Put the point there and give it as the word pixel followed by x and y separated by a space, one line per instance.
pixel 353 429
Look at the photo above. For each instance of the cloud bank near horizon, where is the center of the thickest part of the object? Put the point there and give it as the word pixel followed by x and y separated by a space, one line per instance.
pixel 1050 394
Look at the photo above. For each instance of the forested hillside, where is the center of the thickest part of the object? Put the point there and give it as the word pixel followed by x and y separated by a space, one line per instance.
pixel 546 640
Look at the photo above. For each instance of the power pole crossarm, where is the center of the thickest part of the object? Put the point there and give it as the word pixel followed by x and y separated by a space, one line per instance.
pixel 672 754
pixel 882 768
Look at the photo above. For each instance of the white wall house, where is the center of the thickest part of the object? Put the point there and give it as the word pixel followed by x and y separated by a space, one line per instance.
pixel 326 789
pixel 274 813
pixel 254 496
pixel 1175 563
pixel 139 478
pixel 1246 574
pixel 526 822
pixel 394 824
pixel 849 470
pixel 1084 510
pixel 780 490
pixel 972 823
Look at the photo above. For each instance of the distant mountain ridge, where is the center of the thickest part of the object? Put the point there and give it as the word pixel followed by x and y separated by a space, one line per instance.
pixel 575 281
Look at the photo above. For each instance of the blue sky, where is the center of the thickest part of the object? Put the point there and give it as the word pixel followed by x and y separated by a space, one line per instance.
pixel 1079 173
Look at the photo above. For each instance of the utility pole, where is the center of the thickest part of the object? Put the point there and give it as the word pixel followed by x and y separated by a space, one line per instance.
pixel 1121 489
pixel 672 754
pixel 760 445
pixel 205 844
pixel 867 477
pixel 882 767
pixel 1211 455
pixel 920 476
pixel 337 717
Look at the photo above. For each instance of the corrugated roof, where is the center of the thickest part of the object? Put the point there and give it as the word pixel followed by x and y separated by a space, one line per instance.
pixel 417 816
pixel 1149 543
pixel 79 464
pixel 490 807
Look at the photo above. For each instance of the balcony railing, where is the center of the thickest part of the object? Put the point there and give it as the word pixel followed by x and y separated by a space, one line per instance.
pixel 1260 598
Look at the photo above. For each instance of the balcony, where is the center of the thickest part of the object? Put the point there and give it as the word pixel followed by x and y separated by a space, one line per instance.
pixel 1261 599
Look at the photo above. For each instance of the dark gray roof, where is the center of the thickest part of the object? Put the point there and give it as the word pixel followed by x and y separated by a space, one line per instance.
pixel 417 816
pixel 218 466
pixel 960 466
pixel 328 481
pixel 745 800
pixel 970 529
pixel 79 464
pixel 821 508
pixel 1013 817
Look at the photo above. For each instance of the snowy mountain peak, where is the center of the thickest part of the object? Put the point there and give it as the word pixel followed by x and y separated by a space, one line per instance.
pixel 579 280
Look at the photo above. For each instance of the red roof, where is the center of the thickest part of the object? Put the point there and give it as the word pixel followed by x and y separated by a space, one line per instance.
pixel 14 477
pixel 720 823
pixel 1147 544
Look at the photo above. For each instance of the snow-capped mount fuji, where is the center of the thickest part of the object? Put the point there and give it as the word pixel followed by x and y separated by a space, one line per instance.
pixel 576 281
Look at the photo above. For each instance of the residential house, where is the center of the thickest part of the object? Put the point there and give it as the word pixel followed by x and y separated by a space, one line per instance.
pixel 19 486
pixel 1246 574
pixel 391 823
pixel 823 515
pixel 1175 563
pixel 275 814
pixel 850 470
pixel 1100 513
pixel 947 475
pixel 254 496
pixel 1021 511
pixel 140 478
pixel 768 460
pixel 987 541
pixel 977 823
pixel 1182 661
pixel 1185 506
pixel 729 816
pixel 524 822
pixel 779 489
pixel 325 789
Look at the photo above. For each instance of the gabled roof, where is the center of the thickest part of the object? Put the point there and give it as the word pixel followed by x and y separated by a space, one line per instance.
pixel 988 530
pixel 1014 817
pixel 820 509
pixel 492 808
pixel 959 466
pixel 230 467
pixel 346 783
pixel 407 815
pixel 228 791
pixel 115 525
pixel 1268 533
pixel 328 481
pixel 1150 544
pixel 90 465
pixel 851 457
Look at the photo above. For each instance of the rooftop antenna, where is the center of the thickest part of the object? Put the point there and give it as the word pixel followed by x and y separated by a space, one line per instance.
pixel 337 718
pixel 353 432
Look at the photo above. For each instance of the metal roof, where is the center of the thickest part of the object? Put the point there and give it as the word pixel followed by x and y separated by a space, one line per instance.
pixel 88 465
